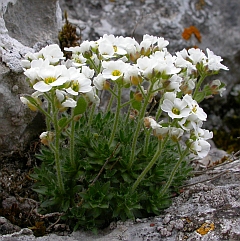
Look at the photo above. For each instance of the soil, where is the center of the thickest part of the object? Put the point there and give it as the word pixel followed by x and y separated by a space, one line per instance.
pixel 18 202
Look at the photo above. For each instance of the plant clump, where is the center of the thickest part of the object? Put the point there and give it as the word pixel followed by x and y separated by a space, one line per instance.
pixel 106 159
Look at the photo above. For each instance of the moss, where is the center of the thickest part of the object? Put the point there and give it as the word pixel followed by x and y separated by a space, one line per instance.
pixel 68 36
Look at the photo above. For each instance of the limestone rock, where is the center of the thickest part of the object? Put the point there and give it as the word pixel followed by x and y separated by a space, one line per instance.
pixel 22 26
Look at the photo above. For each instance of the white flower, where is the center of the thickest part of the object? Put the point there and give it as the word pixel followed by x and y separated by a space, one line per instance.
pixel 69 103
pixel 77 82
pixel 175 133
pixel 110 46
pixel 175 83
pixel 53 53
pixel 46 137
pixel 132 74
pixel 195 108
pixel 78 60
pixel 162 43
pixel 196 55
pixel 92 96
pixel 106 49
pixel 64 100
pixel 50 77
pixel 176 108
pixel 89 73
pixel 213 62
pixel 32 105
pixel 99 82
pixel 182 62
pixel 113 69
pixel 217 87
pixel 146 66
pixel 200 147
pixel 158 130
pixel 189 123
pixel 203 134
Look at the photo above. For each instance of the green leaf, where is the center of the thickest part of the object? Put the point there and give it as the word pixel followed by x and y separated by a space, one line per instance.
pixel 41 190
pixel 136 105
pixel 62 122
pixel 81 106
pixel 31 99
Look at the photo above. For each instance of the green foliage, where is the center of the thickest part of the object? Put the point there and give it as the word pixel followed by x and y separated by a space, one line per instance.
pixel 98 188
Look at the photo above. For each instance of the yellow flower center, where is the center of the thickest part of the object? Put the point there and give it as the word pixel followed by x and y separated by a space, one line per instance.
pixel 175 111
pixel 194 109
pixel 116 73
pixel 75 86
pixel 49 80
pixel 78 60
pixel 115 48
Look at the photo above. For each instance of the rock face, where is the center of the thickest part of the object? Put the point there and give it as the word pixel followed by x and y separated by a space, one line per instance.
pixel 23 28
pixel 217 22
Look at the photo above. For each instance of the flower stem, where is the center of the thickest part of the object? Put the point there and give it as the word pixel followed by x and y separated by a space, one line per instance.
pixel 146 141
pixel 198 85
pixel 72 141
pixel 116 119
pixel 161 145
pixel 109 105
pixel 57 144
pixel 139 123
pixel 93 107
pixel 173 172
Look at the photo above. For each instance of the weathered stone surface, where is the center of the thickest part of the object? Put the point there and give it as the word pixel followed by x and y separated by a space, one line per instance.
pixel 206 210
pixel 217 21
pixel 32 22
pixel 23 27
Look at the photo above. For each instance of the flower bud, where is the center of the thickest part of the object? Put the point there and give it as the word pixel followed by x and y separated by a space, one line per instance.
pixel 106 85
pixel 46 138
pixel 134 57
pixel 138 96
pixel 30 105
pixel 136 80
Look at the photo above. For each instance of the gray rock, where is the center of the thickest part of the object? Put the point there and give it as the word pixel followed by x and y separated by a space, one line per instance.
pixel 6 227
pixel 22 26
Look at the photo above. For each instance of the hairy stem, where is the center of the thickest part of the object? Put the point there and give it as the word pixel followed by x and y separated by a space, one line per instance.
pixel 173 172
pixel 117 113
pixel 57 143
pixel 139 124
pixel 161 145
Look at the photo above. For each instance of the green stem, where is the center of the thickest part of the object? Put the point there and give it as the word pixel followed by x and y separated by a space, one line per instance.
pixel 139 124
pixel 161 145
pixel 117 113
pixel 198 85
pixel 72 141
pixel 57 144
pixel 111 98
pixel 159 110
pixel 93 107
pixel 146 141
pixel 173 172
